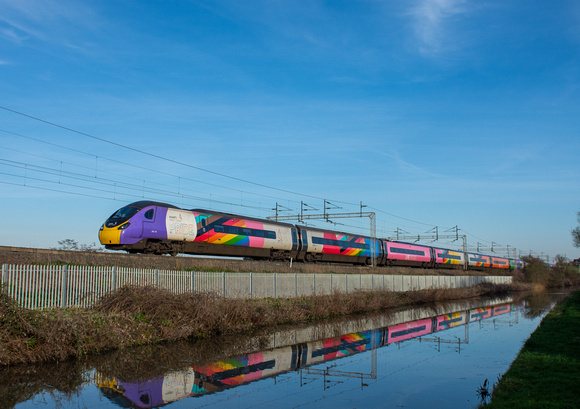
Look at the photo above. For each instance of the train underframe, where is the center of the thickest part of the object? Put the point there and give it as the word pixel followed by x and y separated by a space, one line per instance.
pixel 161 247
pixel 173 248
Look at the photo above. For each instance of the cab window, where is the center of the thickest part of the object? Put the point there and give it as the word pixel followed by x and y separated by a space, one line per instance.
pixel 125 212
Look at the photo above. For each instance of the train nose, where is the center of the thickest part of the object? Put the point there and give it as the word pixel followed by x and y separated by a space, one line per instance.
pixel 109 236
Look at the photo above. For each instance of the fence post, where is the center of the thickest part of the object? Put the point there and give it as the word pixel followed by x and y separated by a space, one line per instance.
pixel 5 273
pixel 296 282
pixel 192 281
pixel 346 277
pixel 251 284
pixel 224 282
pixel 63 286
pixel 156 278
pixel 331 286
pixel 275 284
pixel 359 281
pixel 314 283
pixel 114 284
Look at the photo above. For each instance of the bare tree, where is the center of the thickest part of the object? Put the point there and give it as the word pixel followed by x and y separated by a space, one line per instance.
pixel 73 245
pixel 68 244
pixel 576 234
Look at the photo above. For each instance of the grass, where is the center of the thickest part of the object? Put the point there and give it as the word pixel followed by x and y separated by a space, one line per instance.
pixel 133 316
pixel 546 373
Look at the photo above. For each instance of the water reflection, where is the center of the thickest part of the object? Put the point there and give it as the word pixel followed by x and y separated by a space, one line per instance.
pixel 196 381
pixel 158 375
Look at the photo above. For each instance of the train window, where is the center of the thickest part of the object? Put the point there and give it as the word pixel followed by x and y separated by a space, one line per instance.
pixel 340 243
pixel 149 214
pixel 479 258
pixel 125 212
pixel 245 231
pixel 406 251
pixel 442 254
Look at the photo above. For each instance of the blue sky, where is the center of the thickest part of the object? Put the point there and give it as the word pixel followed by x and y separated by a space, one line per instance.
pixel 433 113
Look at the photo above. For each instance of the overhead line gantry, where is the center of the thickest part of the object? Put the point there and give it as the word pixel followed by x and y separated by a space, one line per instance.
pixel 303 215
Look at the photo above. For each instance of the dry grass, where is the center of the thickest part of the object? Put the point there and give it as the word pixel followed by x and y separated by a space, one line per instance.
pixel 135 316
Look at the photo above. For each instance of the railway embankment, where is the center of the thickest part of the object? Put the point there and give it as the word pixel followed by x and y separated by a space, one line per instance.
pixel 546 373
pixel 25 255
pixel 133 316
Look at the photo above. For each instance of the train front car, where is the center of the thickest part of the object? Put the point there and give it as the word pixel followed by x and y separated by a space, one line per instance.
pixel 159 228
pixel 143 227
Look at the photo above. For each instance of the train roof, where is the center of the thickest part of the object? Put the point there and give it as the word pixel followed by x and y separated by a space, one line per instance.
pixel 318 229
pixel 144 203
pixel 238 216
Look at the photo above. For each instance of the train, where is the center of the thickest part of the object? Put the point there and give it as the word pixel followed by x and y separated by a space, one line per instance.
pixel 201 380
pixel 160 228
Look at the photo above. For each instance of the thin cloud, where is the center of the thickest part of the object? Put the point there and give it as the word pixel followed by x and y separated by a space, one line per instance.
pixel 45 21
pixel 431 24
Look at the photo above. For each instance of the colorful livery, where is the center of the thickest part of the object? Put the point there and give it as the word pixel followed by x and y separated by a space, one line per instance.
pixel 160 228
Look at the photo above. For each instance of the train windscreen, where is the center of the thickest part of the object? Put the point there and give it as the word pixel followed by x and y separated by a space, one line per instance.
pixel 121 215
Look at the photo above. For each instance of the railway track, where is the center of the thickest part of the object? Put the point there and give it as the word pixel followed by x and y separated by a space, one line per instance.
pixel 28 255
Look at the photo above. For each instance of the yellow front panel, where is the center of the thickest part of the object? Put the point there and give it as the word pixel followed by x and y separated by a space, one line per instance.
pixel 110 236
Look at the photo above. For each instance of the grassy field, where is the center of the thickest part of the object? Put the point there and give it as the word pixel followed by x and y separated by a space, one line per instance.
pixel 546 373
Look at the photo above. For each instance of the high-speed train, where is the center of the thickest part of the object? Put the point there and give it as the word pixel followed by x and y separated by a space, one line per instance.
pixel 160 228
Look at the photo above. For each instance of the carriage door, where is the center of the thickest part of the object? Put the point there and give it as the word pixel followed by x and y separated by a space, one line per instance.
pixel 149 229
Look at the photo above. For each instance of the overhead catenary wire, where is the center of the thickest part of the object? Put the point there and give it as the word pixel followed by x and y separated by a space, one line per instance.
pixel 180 163
pixel 100 181
pixel 60 172
pixel 153 155
pixel 131 165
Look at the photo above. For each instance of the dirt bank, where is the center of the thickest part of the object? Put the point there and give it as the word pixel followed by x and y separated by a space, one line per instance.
pixel 134 316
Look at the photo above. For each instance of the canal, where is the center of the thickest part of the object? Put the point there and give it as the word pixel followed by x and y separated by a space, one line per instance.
pixel 436 356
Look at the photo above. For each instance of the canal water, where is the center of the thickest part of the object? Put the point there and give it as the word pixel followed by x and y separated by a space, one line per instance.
pixel 436 357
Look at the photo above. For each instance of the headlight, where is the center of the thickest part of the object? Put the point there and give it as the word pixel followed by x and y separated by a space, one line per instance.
pixel 123 226
pixel 102 227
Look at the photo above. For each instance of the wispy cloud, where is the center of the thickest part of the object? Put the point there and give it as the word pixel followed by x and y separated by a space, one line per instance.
pixel 432 24
pixel 46 21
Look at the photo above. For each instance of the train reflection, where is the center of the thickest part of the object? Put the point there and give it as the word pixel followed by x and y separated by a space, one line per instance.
pixel 196 381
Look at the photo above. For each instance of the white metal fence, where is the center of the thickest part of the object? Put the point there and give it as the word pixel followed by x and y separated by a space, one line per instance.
pixel 38 287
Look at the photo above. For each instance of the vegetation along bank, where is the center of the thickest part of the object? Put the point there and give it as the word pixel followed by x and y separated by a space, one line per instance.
pixel 546 373
pixel 134 316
